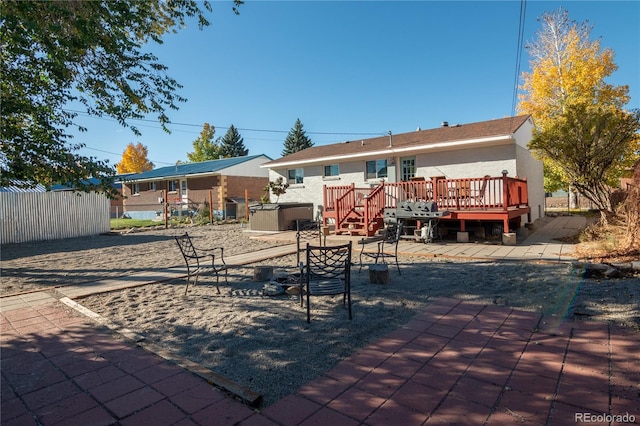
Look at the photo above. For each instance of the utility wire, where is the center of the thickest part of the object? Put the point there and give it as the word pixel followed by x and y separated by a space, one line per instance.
pixel 226 128
pixel 523 11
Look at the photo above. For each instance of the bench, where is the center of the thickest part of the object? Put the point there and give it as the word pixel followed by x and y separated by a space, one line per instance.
pixel 196 264
pixel 391 236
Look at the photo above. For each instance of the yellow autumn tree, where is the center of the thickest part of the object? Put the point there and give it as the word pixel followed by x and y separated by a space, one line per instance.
pixel 134 159
pixel 567 68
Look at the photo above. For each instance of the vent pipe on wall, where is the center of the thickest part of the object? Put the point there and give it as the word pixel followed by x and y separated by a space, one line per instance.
pixel 390 140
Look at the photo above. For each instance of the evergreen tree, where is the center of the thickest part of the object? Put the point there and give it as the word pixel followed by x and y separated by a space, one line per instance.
pixel 204 147
pixel 232 144
pixel 296 140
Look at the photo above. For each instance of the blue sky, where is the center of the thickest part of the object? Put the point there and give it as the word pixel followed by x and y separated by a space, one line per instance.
pixel 353 69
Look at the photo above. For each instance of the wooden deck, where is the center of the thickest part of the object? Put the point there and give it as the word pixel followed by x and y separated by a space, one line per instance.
pixel 497 199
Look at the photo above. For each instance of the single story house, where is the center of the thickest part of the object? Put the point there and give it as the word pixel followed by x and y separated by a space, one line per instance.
pixel 489 157
pixel 190 186
pixel 115 204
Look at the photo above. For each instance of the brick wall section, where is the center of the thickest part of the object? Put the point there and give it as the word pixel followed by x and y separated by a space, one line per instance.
pixel 254 186
pixel 198 189
pixel 145 200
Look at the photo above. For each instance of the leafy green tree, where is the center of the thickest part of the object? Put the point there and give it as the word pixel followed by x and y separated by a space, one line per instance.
pixel 567 68
pixel 277 188
pixel 232 144
pixel 594 144
pixel 89 53
pixel 296 140
pixel 204 147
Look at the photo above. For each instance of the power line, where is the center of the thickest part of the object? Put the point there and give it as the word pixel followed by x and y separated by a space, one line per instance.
pixel 523 11
pixel 227 128
pixel 120 155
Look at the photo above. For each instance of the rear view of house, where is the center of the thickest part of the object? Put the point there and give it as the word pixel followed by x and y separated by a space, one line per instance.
pixel 481 172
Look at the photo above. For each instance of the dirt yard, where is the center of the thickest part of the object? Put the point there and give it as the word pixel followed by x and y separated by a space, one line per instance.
pixel 263 342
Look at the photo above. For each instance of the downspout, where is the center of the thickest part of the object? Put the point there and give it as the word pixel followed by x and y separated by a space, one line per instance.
pixel 395 169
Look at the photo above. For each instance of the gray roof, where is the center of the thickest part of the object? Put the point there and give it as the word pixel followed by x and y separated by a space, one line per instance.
pixel 179 170
pixel 19 188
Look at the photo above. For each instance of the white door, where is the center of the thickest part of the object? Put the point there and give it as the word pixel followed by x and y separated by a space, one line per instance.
pixel 407 168
pixel 184 194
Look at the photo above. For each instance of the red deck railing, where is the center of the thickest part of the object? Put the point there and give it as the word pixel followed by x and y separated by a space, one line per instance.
pixel 482 194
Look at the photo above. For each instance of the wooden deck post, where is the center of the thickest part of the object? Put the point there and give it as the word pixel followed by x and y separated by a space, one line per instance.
pixel 210 206
pixel 505 201
pixel 165 208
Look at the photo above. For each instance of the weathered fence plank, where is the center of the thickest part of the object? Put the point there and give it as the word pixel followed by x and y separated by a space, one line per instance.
pixel 38 216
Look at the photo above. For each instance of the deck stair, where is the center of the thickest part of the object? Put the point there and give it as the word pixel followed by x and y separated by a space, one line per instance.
pixel 352 225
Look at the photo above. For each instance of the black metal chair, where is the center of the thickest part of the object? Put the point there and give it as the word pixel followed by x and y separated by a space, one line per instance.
pixel 391 235
pixel 327 271
pixel 308 230
pixel 196 264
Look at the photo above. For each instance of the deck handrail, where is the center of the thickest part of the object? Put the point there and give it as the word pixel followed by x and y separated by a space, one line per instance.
pixel 332 193
pixel 345 203
pixel 487 192
pixel 374 204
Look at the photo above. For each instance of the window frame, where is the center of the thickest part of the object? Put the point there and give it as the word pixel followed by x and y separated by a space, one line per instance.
pixel 377 168
pixel 331 168
pixel 297 178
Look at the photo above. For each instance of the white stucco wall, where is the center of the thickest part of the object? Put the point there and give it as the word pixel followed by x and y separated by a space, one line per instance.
pixel 531 168
pixel 472 162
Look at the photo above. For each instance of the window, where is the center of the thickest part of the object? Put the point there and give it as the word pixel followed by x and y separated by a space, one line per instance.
pixel 152 186
pixel 332 170
pixel 135 188
pixel 295 175
pixel 376 169
pixel 173 186
pixel 408 168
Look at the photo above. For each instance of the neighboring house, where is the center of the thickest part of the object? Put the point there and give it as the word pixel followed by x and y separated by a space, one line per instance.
pixel 453 155
pixel 17 189
pixel 115 204
pixel 190 186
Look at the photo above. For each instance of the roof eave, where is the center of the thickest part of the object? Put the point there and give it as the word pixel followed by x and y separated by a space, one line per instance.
pixel 391 151
pixel 175 176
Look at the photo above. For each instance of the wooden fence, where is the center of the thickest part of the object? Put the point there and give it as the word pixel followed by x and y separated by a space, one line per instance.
pixel 38 216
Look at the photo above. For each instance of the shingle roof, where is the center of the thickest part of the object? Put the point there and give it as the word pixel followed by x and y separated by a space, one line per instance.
pixel 178 170
pixel 421 138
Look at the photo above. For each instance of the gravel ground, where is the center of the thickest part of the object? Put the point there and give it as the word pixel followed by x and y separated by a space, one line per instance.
pixel 263 342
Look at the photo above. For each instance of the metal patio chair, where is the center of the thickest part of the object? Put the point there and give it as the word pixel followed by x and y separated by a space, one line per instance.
pixel 196 263
pixel 308 230
pixel 391 236
pixel 327 271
